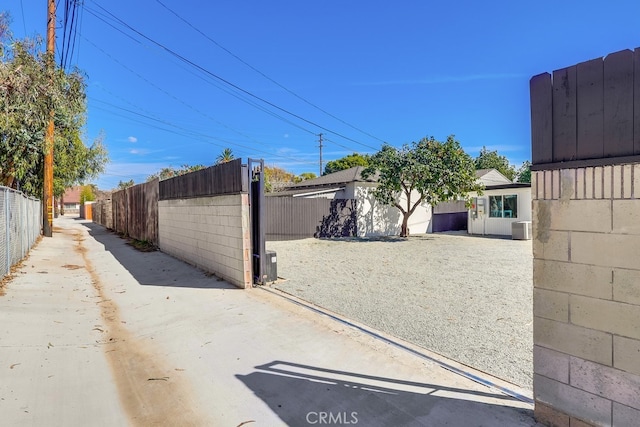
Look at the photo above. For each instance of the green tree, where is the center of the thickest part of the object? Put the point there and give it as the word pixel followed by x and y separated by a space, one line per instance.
pixel 86 194
pixel 276 179
pixel 225 157
pixel 437 171
pixel 524 172
pixel 28 92
pixel 492 160
pixel 346 162
pixel 304 176
pixel 122 185
pixel 170 172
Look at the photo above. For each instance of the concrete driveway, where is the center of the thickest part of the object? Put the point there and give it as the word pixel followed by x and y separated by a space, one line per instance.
pixel 93 332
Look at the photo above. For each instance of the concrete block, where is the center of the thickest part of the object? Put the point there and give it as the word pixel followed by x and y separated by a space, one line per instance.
pixel 540 185
pixel 580 183
pixel 626 286
pixel 607 182
pixel 613 250
pixel 573 278
pixel 572 401
pixel 567 184
pixel 627 181
pixel 626 216
pixel 573 339
pixel 588 183
pixel 636 181
pixel 580 215
pixel 626 355
pixel 548 183
pixel 555 184
pixel 624 416
pixel 551 304
pixel 549 416
pixel 609 316
pixel 574 422
pixel 617 181
pixel 555 246
pixel 598 179
pixel 551 364
pixel 605 381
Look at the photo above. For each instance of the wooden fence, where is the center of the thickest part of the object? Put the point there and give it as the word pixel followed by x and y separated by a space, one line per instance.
pixel 103 213
pixel 135 211
pixel 225 178
pixel 289 218
pixel 573 109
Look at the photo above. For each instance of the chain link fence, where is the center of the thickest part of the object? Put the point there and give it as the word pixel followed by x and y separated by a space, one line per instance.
pixel 20 225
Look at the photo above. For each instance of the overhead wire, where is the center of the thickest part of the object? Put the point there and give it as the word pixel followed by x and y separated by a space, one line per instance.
pixel 265 75
pixel 229 83
pixel 187 104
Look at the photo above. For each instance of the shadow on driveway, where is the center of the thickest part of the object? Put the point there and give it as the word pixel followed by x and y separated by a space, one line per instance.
pixel 154 268
pixel 306 395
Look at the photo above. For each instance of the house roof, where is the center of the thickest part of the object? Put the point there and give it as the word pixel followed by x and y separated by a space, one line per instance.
pixel 72 194
pixel 342 177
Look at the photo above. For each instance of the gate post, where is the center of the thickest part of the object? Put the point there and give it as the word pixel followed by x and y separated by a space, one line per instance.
pixel 585 128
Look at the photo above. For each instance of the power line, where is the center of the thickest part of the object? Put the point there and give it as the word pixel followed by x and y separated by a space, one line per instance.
pixel 227 82
pixel 266 76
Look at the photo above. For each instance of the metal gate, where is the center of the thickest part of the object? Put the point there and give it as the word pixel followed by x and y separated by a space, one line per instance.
pixel 257 218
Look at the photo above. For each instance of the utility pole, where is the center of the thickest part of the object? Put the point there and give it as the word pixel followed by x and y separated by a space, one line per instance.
pixel 320 135
pixel 47 202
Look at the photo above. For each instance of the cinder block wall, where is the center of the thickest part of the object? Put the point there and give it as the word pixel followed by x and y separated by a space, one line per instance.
pixel 586 273
pixel 209 232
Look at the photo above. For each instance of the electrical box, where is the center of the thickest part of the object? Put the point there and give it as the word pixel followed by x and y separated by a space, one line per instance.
pixel 477 207
pixel 270 266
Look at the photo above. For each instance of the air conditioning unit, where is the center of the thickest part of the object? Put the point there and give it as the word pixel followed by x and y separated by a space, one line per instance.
pixel 521 230
pixel 270 266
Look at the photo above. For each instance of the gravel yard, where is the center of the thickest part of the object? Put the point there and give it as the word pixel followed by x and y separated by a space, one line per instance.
pixel 467 298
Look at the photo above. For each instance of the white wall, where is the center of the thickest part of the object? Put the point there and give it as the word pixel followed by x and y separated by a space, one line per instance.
pixel 484 225
pixel 211 233
pixel 376 219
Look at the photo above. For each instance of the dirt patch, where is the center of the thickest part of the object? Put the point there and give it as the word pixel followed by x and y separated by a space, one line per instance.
pixel 150 392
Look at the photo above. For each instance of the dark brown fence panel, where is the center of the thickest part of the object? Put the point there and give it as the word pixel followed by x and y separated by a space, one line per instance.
pixel 572 110
pixel 119 201
pixel 226 178
pixel 564 114
pixel 618 103
pixel 590 95
pixel 102 213
pixel 142 211
pixel 289 218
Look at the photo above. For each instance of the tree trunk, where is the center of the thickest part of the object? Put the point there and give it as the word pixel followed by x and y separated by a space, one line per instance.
pixel 404 232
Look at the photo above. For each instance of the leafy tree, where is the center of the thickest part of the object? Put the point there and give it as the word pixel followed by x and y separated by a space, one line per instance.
pixel 346 162
pixel 86 194
pixel 437 171
pixel 276 179
pixel 304 176
pixel 524 172
pixel 125 184
pixel 492 160
pixel 225 157
pixel 29 91
pixel 170 172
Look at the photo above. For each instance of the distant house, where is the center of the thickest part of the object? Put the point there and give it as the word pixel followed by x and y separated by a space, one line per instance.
pixel 502 203
pixel 373 218
pixel 70 201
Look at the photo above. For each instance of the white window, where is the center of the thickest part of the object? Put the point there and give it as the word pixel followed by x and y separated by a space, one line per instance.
pixel 503 206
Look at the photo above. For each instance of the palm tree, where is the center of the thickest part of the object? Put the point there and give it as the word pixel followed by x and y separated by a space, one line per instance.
pixel 225 156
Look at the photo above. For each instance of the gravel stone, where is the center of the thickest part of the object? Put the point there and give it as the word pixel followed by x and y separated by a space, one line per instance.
pixel 465 297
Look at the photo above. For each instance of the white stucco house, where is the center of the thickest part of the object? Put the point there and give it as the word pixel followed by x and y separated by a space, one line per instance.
pixel 373 218
pixel 502 203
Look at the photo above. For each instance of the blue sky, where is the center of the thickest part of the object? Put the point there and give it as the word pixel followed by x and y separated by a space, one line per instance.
pixel 168 82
